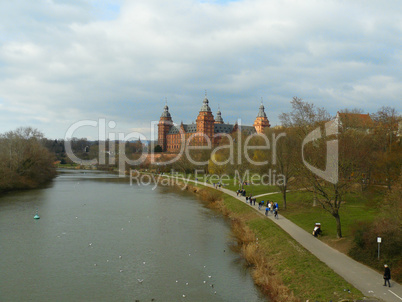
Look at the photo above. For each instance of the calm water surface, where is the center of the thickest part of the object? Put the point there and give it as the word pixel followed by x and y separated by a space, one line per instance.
pixel 100 239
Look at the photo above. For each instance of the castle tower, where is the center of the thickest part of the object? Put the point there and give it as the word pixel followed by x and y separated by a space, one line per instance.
pixel 165 123
pixel 261 120
pixel 219 119
pixel 205 122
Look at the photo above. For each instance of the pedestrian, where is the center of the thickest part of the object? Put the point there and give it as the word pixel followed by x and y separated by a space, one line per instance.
pixel 254 199
pixel 387 275
pixel 269 206
pixel 247 199
pixel 276 213
pixel 251 200
pixel 260 204
pixel 266 211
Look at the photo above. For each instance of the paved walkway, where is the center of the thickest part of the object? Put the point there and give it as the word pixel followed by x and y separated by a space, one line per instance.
pixel 368 281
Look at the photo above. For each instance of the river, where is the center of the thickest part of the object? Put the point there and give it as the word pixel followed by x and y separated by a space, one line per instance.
pixel 100 239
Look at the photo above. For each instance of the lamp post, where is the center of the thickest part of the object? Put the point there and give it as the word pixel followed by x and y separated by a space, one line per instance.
pixel 379 242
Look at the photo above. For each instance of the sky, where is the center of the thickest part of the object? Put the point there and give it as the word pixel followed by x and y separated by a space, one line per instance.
pixel 65 64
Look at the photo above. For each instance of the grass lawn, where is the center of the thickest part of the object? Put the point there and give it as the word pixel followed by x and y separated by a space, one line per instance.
pixel 357 207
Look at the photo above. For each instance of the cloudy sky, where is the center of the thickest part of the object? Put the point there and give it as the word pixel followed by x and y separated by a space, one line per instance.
pixel 65 61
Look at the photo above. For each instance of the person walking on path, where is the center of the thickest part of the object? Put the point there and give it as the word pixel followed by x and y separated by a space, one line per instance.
pixel 387 275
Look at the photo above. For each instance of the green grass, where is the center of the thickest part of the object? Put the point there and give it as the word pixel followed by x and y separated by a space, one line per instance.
pixel 357 207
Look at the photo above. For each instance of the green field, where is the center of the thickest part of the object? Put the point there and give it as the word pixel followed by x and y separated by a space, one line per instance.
pixel 356 208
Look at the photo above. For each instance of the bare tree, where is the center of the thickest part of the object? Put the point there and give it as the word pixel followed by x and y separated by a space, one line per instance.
pixel 287 161
pixel 347 161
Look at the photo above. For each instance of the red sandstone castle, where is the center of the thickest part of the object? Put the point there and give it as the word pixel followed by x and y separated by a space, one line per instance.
pixel 206 127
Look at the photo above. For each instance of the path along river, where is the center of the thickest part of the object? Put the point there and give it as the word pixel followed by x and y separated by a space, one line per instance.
pixel 100 239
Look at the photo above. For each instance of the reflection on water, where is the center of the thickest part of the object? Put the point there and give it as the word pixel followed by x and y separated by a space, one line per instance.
pixel 100 239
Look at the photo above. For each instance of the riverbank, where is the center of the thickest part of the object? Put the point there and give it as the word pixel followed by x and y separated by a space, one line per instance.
pixel 281 267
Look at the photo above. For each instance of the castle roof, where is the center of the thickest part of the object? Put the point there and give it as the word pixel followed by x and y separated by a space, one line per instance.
pixel 247 129
pixel 218 128
pixel 188 128
pixel 223 128
pixel 356 120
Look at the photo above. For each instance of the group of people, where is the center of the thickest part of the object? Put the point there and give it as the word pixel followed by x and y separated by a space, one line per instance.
pixel 270 206
pixel 251 200
pixel 241 192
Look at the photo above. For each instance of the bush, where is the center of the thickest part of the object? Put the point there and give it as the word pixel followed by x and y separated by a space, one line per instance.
pixel 365 247
pixel 210 195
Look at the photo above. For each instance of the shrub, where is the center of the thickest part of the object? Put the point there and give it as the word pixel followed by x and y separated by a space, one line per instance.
pixel 365 247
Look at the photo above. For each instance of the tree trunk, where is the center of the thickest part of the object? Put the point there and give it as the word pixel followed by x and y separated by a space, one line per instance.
pixel 338 225
pixel 314 198
pixel 284 197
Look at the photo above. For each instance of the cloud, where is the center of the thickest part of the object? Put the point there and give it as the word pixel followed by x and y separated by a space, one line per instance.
pixel 64 61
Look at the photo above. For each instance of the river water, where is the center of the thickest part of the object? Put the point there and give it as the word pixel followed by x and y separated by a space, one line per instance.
pixel 100 239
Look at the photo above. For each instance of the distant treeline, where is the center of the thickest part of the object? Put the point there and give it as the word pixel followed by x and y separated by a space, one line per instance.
pixel 84 149
pixel 24 162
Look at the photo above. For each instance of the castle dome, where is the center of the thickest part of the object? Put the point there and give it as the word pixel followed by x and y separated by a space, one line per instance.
pixel 205 106
pixel 165 112
pixel 219 119
pixel 261 112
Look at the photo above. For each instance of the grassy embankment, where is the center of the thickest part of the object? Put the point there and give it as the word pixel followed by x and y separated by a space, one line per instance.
pixel 282 268
pixel 356 208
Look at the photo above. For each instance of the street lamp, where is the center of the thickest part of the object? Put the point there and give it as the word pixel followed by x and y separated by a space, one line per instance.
pixel 379 242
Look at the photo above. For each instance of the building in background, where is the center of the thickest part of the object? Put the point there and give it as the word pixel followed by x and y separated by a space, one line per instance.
pixel 205 128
